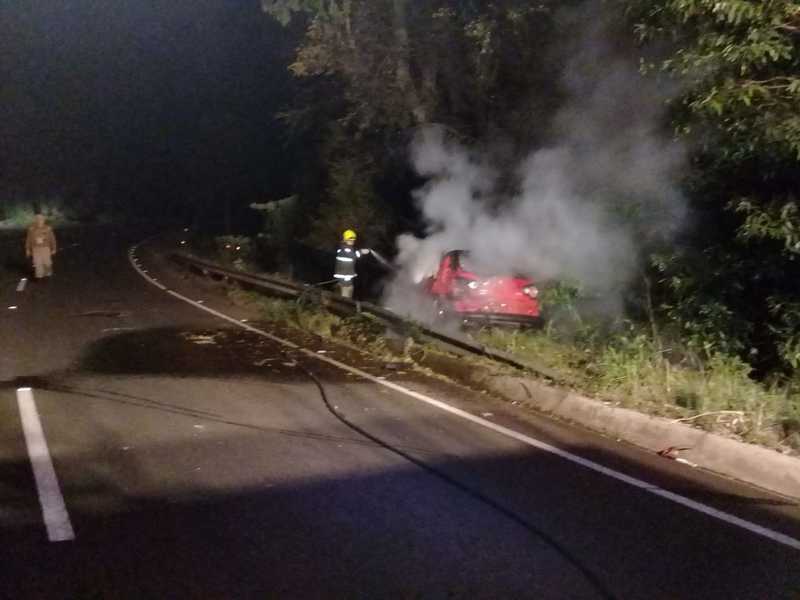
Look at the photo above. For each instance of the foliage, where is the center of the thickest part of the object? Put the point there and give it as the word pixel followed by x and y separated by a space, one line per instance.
pixel 738 61
pixel 559 301
pixel 787 329
pixel 722 304
pixel 778 220
pixel 407 63
pixel 630 369
pixel 370 71
pixel 352 204
pixel 740 58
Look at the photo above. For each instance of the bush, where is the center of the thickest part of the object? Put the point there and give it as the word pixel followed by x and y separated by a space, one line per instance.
pixel 628 367
pixel 234 250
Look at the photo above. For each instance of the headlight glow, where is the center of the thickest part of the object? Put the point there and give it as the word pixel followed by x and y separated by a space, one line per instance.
pixel 531 291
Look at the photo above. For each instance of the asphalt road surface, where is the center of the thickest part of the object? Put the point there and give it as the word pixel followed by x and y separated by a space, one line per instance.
pixel 195 459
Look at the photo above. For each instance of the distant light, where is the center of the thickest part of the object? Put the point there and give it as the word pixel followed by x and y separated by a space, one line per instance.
pixel 185 229
pixel 238 247
pixel 183 242
pixel 12 308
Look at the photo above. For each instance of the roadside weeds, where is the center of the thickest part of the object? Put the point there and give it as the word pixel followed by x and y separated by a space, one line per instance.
pixel 677 438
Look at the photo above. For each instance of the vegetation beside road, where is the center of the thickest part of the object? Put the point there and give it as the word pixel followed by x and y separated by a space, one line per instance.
pixel 717 393
pixel 711 322
pixel 359 331
pixel 718 396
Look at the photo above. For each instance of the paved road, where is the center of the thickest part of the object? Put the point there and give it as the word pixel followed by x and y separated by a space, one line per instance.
pixel 198 460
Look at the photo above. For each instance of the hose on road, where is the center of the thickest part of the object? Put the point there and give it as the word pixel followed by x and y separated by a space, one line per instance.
pixel 585 571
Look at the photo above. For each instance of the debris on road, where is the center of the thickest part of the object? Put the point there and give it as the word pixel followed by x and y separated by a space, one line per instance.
pixel 105 313
pixel 199 339
pixel 672 452
pixel 394 366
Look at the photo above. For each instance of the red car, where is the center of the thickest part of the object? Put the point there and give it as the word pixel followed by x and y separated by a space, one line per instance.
pixel 460 291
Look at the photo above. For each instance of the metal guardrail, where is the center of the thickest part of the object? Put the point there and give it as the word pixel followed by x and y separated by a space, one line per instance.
pixel 346 307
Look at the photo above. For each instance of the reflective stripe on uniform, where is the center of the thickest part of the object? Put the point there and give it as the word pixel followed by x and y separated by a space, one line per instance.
pixel 345 277
pixel 345 258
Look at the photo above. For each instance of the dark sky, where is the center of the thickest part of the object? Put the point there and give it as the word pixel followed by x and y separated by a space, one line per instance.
pixel 144 100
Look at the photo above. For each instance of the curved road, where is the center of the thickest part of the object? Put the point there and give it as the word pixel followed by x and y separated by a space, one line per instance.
pixel 195 459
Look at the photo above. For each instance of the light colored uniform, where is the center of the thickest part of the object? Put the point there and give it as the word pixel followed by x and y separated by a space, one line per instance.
pixel 40 245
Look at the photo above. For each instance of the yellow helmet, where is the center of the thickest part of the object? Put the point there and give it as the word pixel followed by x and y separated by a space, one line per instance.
pixel 349 235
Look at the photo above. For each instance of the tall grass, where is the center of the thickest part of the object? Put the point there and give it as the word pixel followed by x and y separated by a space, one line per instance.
pixel 631 370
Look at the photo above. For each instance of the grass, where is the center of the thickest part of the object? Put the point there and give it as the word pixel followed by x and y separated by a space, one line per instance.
pixel 626 368
pixel 629 370
pixel 358 331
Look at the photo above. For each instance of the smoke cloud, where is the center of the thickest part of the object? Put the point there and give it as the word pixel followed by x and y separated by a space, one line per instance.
pixel 583 207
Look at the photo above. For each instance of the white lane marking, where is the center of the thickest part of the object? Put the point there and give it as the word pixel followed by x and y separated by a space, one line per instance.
pixel 771 534
pixel 56 518
pixel 22 283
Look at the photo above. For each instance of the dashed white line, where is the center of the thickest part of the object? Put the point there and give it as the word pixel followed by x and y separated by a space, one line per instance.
pixel 730 519
pixel 22 283
pixel 54 510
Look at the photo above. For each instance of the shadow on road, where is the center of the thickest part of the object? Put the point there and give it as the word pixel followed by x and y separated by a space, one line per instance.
pixel 183 352
pixel 397 533
pixel 249 515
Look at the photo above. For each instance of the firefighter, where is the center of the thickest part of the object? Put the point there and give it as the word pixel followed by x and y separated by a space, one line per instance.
pixel 40 246
pixel 346 257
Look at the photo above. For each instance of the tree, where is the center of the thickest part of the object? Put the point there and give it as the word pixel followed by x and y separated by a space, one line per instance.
pixel 371 71
pixel 408 63
pixel 739 61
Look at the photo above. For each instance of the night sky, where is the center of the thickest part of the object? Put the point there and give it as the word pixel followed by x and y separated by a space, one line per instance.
pixel 144 104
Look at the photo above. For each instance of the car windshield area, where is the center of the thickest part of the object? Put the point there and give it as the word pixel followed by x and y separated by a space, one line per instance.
pixel 464 262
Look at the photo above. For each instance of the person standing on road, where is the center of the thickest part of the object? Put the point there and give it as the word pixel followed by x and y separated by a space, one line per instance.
pixel 40 246
pixel 346 257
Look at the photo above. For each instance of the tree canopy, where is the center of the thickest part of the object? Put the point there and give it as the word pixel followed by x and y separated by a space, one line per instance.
pixel 374 70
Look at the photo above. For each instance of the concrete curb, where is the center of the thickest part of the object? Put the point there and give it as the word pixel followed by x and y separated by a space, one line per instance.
pixel 749 463
pixel 753 464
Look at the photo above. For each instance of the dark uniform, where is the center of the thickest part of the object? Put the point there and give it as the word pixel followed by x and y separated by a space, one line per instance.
pixel 345 271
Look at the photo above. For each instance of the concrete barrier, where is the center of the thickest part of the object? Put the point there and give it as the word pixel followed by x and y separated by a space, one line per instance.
pixel 745 462
pixel 753 464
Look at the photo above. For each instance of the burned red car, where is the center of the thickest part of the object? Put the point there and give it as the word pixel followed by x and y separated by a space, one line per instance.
pixel 459 291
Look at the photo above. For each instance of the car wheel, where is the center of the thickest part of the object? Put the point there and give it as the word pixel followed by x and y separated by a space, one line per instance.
pixel 441 311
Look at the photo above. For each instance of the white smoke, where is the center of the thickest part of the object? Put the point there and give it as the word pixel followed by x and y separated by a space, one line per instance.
pixel 584 205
